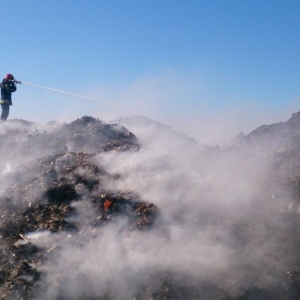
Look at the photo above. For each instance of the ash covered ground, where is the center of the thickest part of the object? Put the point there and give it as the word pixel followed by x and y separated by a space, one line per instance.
pixel 90 210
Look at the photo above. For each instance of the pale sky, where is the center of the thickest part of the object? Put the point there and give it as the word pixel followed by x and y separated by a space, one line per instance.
pixel 209 69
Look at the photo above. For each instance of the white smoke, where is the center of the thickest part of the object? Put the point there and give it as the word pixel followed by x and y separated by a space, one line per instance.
pixel 216 225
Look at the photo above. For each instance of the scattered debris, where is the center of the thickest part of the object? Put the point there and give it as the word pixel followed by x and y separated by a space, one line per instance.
pixel 40 207
pixel 40 201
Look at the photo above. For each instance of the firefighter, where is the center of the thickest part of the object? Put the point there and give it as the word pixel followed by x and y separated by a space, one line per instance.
pixel 7 87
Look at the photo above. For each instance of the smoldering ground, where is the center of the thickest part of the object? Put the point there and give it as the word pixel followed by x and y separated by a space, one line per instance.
pixel 224 224
pixel 224 229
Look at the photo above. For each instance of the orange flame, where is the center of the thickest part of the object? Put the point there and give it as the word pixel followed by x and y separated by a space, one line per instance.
pixel 107 204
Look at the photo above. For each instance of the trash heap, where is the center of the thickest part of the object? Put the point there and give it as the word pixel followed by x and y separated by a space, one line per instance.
pixel 28 139
pixel 52 176
pixel 43 194
pixel 278 143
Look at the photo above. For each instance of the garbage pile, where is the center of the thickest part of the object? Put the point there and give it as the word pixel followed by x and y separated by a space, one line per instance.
pixel 42 195
pixel 28 140
pixel 55 194
pixel 278 143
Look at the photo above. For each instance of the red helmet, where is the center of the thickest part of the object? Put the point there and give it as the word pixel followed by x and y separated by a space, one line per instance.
pixel 9 77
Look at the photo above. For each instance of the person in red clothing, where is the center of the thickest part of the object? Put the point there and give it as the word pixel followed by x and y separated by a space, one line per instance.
pixel 7 87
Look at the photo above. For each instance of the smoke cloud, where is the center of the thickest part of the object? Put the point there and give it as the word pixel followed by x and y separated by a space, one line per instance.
pixel 220 229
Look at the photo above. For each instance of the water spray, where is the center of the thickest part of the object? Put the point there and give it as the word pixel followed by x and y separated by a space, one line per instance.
pixel 77 95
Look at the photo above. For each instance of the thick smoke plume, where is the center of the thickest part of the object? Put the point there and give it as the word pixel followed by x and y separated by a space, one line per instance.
pixel 225 219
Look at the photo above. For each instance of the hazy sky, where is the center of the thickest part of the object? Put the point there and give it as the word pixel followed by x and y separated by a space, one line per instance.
pixel 203 67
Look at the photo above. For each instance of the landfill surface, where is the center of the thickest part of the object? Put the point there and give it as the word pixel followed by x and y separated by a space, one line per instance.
pixel 55 192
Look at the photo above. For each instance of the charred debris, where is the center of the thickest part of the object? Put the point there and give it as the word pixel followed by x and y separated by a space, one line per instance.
pixel 43 194
pixel 40 195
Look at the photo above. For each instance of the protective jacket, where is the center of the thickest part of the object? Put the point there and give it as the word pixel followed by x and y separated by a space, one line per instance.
pixel 7 87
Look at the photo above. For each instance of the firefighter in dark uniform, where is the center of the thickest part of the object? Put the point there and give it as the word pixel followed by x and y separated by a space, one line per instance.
pixel 7 87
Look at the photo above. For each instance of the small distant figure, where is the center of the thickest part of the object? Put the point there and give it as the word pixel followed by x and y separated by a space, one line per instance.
pixel 7 87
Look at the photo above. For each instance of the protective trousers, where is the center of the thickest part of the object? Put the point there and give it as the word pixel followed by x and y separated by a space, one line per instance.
pixel 5 111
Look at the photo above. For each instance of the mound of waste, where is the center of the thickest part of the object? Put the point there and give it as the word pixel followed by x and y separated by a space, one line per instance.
pixel 279 144
pixel 27 139
pixel 274 136
pixel 58 211
pixel 42 196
